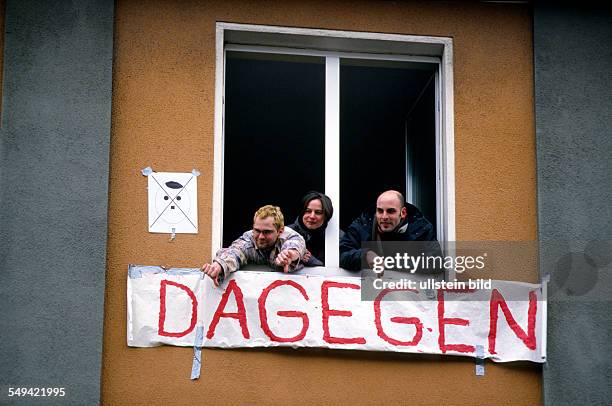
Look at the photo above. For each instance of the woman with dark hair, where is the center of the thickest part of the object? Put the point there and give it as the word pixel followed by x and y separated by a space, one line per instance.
pixel 315 213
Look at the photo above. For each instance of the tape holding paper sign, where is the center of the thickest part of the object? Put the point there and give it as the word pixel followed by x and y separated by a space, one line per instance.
pixel 266 309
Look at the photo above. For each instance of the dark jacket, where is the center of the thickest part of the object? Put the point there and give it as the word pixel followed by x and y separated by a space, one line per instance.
pixel 415 227
pixel 315 241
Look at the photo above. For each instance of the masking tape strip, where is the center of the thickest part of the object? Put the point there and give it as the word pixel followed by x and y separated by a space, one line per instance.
pixel 196 366
pixel 480 367
pixel 137 271
pixel 545 281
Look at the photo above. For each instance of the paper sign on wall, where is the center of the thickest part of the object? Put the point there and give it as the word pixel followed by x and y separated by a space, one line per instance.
pixel 173 202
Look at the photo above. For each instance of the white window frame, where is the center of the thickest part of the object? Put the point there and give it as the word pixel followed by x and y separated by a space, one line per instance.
pixel 334 45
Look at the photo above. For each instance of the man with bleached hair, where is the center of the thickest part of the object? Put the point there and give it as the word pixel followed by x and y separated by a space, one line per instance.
pixel 268 243
pixel 393 220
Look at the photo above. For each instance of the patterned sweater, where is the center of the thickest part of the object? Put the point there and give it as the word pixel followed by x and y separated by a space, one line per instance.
pixel 244 251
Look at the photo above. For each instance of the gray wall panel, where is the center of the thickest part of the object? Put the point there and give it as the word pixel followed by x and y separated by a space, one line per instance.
pixel 54 190
pixel 573 65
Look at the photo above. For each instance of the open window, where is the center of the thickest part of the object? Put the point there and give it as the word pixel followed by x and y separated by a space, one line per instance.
pixel 348 114
pixel 274 135
pixel 387 134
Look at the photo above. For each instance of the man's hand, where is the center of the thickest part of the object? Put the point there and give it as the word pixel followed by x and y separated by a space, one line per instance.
pixel 285 258
pixel 213 270
pixel 370 256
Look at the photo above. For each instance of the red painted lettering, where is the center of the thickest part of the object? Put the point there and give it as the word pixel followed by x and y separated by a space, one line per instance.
pixel 327 312
pixel 240 315
pixel 162 309
pixel 263 314
pixel 403 320
pixel 497 301
pixel 443 321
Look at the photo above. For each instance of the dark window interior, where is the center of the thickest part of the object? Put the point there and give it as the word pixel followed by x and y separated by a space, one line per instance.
pixel 384 105
pixel 275 134
pixel 421 141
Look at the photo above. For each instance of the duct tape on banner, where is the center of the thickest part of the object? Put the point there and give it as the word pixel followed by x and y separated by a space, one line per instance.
pixel 480 367
pixel 197 353
pixel 137 271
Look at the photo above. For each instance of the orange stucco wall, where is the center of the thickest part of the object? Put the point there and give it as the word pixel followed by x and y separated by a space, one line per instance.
pixel 163 108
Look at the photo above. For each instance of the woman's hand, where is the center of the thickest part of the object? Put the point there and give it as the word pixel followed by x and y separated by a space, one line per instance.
pixel 307 256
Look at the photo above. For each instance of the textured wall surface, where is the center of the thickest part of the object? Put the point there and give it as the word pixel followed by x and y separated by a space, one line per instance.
pixel 163 113
pixel 573 62
pixel 54 196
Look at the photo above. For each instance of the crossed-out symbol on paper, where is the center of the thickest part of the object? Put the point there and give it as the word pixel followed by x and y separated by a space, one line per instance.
pixel 168 202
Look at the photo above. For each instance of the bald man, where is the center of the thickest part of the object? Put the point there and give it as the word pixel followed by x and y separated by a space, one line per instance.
pixel 394 220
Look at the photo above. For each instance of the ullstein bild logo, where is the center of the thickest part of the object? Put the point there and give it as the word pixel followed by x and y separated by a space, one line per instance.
pixel 422 262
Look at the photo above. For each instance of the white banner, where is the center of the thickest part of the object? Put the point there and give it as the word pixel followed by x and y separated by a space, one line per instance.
pixel 265 309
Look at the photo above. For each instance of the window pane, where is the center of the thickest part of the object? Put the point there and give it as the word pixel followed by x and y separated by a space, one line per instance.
pixel 387 134
pixel 274 135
